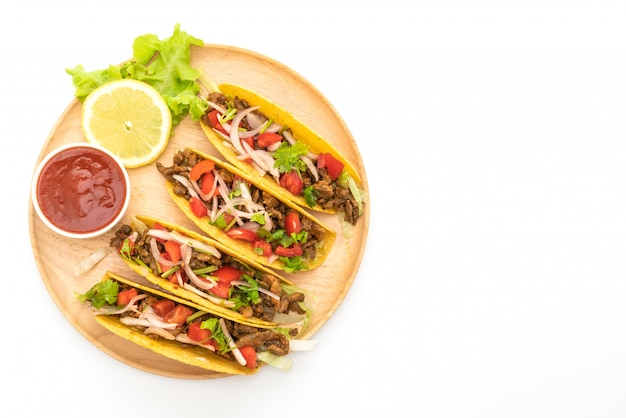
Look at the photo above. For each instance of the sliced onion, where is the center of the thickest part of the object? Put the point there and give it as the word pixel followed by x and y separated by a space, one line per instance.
pixel 235 350
pixel 217 107
pixel 214 299
pixel 185 252
pixel 289 137
pixel 185 182
pixel 195 244
pixel 159 331
pixel 311 166
pixel 91 260
pixel 156 254
pixel 234 129
pixel 184 338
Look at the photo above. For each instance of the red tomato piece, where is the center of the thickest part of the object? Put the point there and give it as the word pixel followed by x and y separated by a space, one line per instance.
pixel 293 251
pixel 333 166
pixel 242 234
pixel 227 274
pixel 124 297
pixel 292 182
pixel 292 222
pixel 266 139
pixel 178 315
pixel 215 123
pixel 202 167
pixel 264 247
pixel 249 140
pixel 249 353
pixel 197 207
pixel 220 291
pixel 207 184
pixel 196 333
pixel 172 248
pixel 163 307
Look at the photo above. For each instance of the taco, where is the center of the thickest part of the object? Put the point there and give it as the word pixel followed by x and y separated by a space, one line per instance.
pixel 211 275
pixel 182 330
pixel 231 206
pixel 264 140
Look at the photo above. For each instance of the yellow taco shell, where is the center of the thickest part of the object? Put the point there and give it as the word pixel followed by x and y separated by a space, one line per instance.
pixel 244 248
pixel 193 297
pixel 301 132
pixel 187 354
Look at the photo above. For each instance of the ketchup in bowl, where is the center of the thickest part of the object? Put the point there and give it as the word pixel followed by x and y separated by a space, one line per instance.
pixel 80 190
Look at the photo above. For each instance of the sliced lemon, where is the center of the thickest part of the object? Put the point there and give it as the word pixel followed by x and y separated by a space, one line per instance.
pixel 130 119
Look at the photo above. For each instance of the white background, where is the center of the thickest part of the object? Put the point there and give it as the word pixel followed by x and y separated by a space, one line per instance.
pixel 493 282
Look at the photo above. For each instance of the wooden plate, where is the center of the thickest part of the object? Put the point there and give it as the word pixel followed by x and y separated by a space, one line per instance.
pixel 56 256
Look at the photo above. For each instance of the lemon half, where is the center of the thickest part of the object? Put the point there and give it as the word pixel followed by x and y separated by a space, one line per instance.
pixel 129 118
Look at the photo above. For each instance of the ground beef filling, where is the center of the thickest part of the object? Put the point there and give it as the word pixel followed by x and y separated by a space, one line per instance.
pixel 330 194
pixel 266 309
pixel 182 163
pixel 243 335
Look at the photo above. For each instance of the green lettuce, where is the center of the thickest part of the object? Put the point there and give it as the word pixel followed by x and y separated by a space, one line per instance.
pixel 164 64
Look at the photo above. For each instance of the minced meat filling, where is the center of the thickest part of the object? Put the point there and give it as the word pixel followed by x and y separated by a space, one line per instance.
pixel 243 335
pixel 330 194
pixel 265 309
pixel 184 160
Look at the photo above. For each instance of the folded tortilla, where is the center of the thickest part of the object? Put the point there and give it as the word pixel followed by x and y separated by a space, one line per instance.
pixel 301 132
pixel 245 248
pixel 185 353
pixel 196 298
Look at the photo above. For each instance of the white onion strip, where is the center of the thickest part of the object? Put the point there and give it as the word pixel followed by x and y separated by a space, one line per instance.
pixel 185 252
pixel 214 299
pixel 160 332
pixel 184 338
pixel 235 350
pixel 234 128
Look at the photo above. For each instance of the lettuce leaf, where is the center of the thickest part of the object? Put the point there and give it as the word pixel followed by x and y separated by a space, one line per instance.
pixel 164 64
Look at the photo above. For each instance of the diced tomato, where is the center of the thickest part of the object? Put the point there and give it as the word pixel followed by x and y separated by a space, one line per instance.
pixel 178 315
pixel 220 291
pixel 292 251
pixel 163 307
pixel 215 123
pixel 197 207
pixel 227 274
pixel 228 218
pixel 292 222
pixel 172 248
pixel 202 167
pixel 124 297
pixel 207 184
pixel 196 333
pixel 249 140
pixel 333 166
pixel 266 139
pixel 242 234
pixel 264 247
pixel 249 353
pixel 292 182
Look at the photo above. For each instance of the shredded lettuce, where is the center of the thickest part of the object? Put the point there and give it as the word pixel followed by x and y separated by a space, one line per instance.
pixel 164 64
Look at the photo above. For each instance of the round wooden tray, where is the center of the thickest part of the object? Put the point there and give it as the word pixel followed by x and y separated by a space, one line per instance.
pixel 56 256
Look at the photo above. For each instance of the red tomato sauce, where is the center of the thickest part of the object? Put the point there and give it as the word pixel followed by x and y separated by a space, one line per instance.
pixel 81 190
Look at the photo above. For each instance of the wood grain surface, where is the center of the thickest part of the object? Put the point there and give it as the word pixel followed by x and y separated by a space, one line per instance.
pixel 56 256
